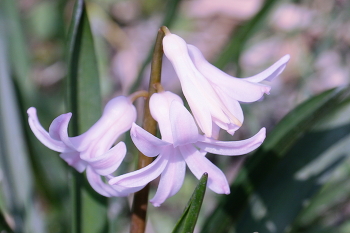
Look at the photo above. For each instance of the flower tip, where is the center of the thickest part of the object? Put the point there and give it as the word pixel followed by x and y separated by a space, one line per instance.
pixel 155 204
pixel 286 58
pixel 31 110
pixel 227 190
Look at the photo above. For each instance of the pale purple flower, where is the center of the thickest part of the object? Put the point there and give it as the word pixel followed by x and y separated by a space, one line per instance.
pixel 91 150
pixel 181 144
pixel 213 95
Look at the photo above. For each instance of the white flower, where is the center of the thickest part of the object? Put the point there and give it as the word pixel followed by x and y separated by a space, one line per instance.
pixel 213 95
pixel 181 144
pixel 92 149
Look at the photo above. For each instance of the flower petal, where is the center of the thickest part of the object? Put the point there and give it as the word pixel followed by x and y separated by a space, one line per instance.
pixel 59 129
pixel 183 127
pixel 271 72
pixel 199 164
pixel 104 189
pixel 117 118
pixel 171 180
pixel 108 162
pixel 148 144
pixel 159 105
pixel 98 185
pixel 199 109
pixel 232 147
pixel 239 89
pixel 42 135
pixel 73 159
pixel 143 176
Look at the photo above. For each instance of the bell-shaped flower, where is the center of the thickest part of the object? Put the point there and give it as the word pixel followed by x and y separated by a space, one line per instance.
pixel 92 149
pixel 181 144
pixel 213 95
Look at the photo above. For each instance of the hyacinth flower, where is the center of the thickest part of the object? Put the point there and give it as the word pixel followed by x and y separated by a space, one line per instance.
pixel 213 95
pixel 181 144
pixel 91 150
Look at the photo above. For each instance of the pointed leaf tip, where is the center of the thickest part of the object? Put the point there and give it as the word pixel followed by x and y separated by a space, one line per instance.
pixel 188 220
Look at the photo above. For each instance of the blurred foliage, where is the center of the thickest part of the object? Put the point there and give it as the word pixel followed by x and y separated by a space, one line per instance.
pixel 297 182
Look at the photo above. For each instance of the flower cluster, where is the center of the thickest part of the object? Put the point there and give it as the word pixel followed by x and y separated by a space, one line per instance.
pixel 214 98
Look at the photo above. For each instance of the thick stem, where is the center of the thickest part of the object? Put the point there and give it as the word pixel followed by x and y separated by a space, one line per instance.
pixel 139 207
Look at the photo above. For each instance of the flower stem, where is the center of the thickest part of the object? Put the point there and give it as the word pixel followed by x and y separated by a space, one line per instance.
pixel 139 207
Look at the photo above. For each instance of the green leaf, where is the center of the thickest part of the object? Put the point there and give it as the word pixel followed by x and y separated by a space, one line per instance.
pixel 270 155
pixel 84 101
pixel 188 220
pixel 17 184
pixel 18 52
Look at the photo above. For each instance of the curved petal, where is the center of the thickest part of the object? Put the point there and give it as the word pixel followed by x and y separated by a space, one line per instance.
pixel 239 89
pixel 232 147
pixel 108 162
pixel 232 105
pixel 59 129
pixel 148 144
pixel 183 127
pixel 144 175
pixel 73 159
pixel 117 118
pixel 159 105
pixel 107 190
pixel 199 109
pixel 171 180
pixel 98 185
pixel 42 135
pixel 199 164
pixel 271 72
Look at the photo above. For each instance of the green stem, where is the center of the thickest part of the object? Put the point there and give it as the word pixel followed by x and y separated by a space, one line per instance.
pixel 139 208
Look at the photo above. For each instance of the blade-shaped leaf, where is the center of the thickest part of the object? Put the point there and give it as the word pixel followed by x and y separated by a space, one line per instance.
pixel 278 143
pixel 17 182
pixel 84 102
pixel 188 220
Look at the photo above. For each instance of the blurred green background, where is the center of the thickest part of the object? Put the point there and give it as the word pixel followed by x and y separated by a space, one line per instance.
pixel 299 181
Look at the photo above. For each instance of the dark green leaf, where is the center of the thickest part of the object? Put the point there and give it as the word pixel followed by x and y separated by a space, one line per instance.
pixel 188 220
pixel 84 101
pixel 270 155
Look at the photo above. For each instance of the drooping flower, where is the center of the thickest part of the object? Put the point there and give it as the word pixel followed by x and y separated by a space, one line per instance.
pixel 181 144
pixel 213 95
pixel 91 150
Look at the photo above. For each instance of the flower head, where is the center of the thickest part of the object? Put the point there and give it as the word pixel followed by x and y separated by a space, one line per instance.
pixel 213 95
pixel 181 144
pixel 92 149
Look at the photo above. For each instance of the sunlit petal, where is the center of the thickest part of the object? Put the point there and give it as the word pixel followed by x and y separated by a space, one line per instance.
pixel 159 106
pixel 143 176
pixel 232 147
pixel 270 73
pixel 171 180
pixel 42 134
pixel 148 144
pixel 183 127
pixel 239 89
pixel 199 164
